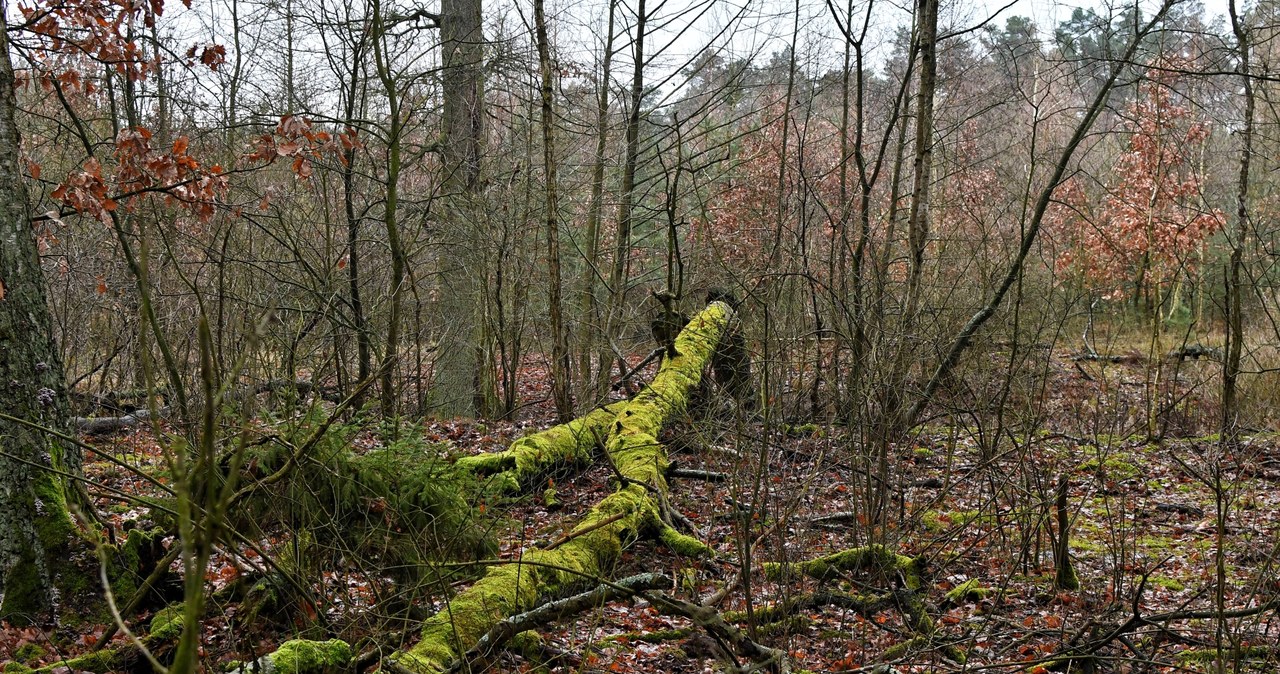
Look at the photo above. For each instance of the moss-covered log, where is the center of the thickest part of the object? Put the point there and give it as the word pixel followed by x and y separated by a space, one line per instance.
pixel 630 512
pixel 302 656
pixel 507 629
pixel 531 459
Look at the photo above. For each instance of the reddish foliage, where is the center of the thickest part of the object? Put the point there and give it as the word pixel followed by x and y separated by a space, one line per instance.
pixel 141 170
pixel 1153 225
pixel 295 138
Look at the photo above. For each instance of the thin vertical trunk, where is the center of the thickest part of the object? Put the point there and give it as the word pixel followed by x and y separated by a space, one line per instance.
pixel 463 372
pixel 1235 319
pixel 363 341
pixel 290 91
pixel 390 214
pixel 622 250
pixel 780 213
pixel 922 162
pixel 559 340
pixel 918 216
pixel 598 384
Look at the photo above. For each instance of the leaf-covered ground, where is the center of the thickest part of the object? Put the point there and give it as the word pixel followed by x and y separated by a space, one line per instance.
pixel 1171 527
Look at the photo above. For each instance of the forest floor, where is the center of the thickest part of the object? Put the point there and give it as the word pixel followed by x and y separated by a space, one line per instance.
pixel 1147 538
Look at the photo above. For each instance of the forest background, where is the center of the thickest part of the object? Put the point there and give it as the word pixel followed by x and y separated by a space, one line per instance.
pixel 986 309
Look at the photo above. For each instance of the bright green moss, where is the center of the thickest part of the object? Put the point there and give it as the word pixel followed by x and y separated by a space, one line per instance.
pixel 1155 543
pixel 683 544
pixel 99 662
pixel 591 548
pixel 1171 584
pixel 28 652
pixel 301 656
pixel 531 458
pixel 969 590
pixel 937 522
pixel 166 624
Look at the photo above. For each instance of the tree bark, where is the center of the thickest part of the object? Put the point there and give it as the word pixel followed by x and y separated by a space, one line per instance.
pixel 461 386
pixel 560 385
pixel 1230 426
pixel 622 249
pixel 34 521
pixel 596 385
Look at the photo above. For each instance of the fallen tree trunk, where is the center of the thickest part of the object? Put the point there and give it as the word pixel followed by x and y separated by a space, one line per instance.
pixel 532 459
pixel 105 425
pixel 507 629
pixel 590 550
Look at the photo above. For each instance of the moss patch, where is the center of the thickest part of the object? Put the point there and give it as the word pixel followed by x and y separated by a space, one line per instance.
pixel 969 590
pixel 166 624
pixel 1171 584
pixel 312 657
pixel 28 652
pixel 529 460
pixel 937 522
pixel 1208 656
pixel 1112 468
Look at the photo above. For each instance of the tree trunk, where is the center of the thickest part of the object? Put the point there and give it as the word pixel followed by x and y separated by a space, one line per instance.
pixel 390 215
pixel 364 362
pixel 1230 426
pixel 589 330
pixel 559 340
pixel 34 521
pixel 457 373
pixel 622 250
